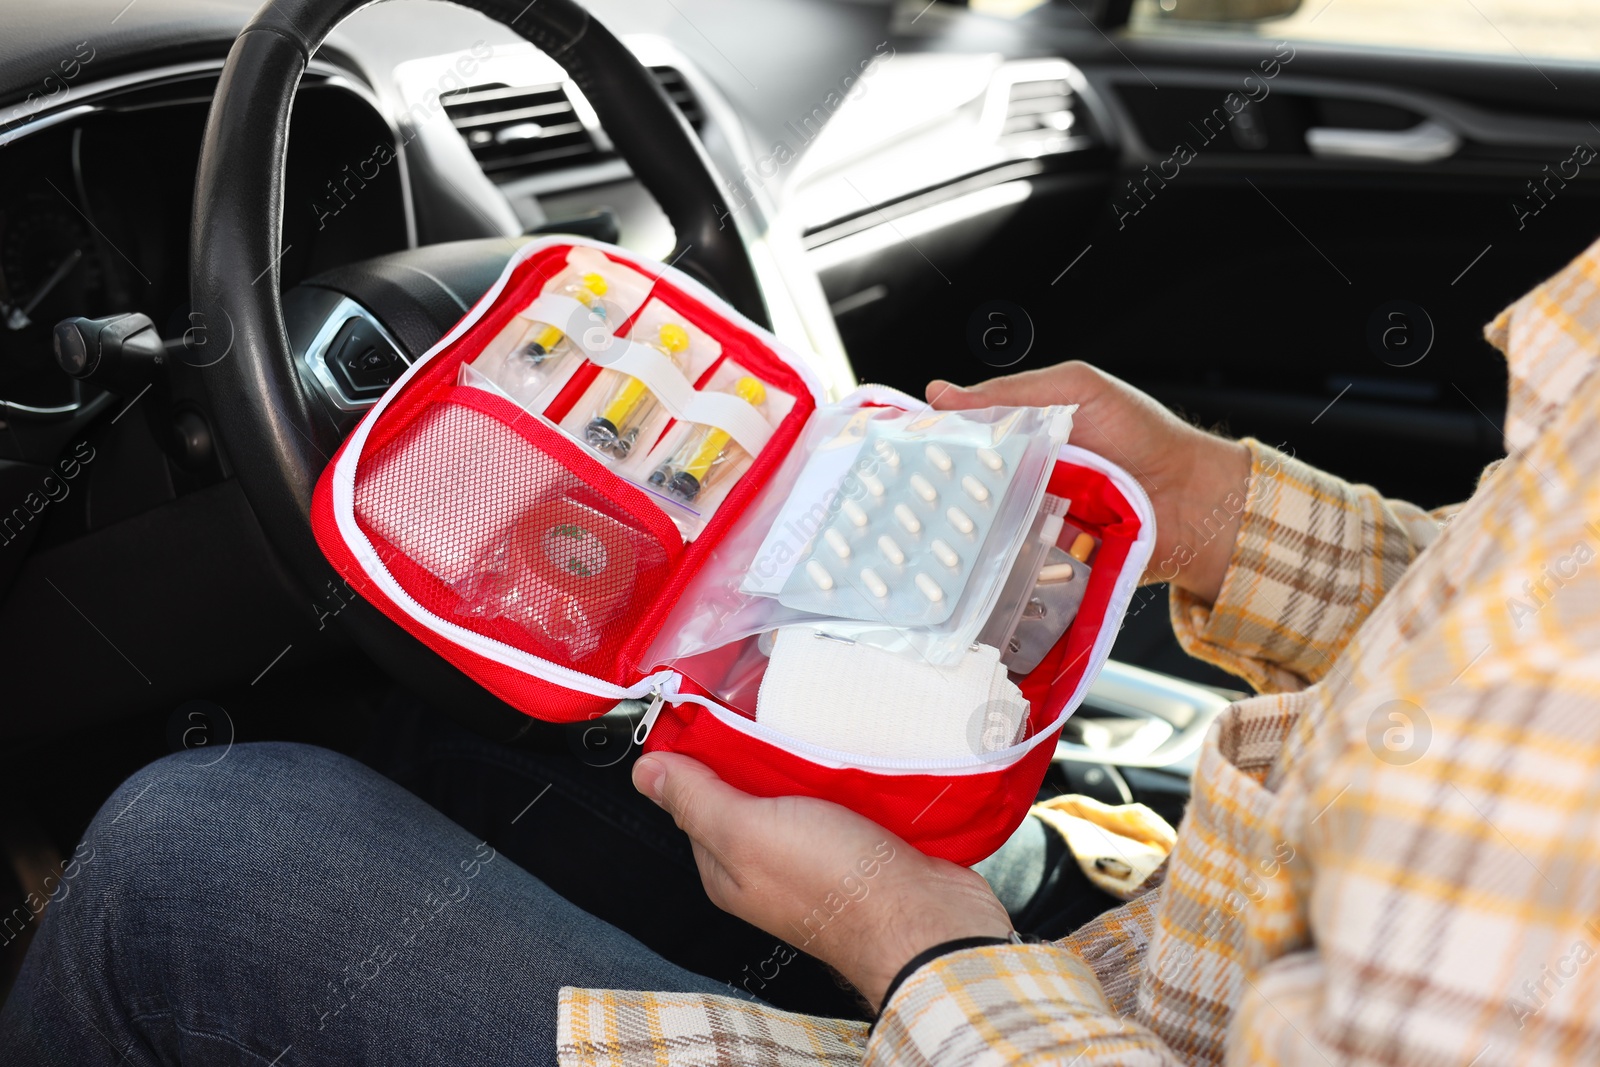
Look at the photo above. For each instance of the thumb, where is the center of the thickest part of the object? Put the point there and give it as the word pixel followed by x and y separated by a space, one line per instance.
pixel 699 801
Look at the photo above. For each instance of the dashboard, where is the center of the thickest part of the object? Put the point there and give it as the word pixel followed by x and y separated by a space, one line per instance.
pixel 418 123
pixel 95 215
pixel 887 171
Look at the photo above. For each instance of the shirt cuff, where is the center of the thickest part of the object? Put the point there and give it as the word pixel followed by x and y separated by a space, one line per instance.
pixel 1314 556
pixel 988 1007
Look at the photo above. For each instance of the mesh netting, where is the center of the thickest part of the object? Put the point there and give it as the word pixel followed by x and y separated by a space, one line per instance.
pixel 486 529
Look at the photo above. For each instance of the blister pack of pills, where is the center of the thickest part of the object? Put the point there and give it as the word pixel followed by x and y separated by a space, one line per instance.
pixel 934 505
pixel 901 553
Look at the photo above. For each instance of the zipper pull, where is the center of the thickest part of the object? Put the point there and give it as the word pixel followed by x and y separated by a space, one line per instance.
pixel 652 712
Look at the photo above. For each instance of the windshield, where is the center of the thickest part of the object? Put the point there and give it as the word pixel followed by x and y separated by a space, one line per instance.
pixel 1530 29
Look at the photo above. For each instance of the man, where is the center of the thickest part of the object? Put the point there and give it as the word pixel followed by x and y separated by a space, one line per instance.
pixel 1390 855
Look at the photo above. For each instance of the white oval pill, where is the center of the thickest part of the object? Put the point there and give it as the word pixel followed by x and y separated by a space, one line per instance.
pixel 945 554
pixel 975 489
pixel 819 575
pixel 959 519
pixel 924 488
pixel 938 457
pixel 891 551
pixel 887 453
pixel 870 480
pixel 876 585
pixel 853 512
pixel 929 587
pixel 836 541
pixel 991 459
pixel 907 519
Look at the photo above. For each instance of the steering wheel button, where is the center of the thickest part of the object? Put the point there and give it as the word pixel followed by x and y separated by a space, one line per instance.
pixel 362 360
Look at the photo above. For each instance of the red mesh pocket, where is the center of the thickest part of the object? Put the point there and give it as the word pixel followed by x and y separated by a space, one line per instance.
pixel 493 520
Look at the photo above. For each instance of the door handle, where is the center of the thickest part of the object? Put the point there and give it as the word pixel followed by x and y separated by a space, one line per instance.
pixel 1426 142
pixel 1155 720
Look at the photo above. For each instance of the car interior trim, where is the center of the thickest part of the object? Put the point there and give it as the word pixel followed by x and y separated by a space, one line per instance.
pixel 316 355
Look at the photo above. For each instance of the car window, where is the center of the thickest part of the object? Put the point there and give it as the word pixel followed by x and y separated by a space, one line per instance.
pixel 1532 29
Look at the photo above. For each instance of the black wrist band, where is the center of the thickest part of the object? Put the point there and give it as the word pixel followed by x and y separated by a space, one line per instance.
pixel 927 956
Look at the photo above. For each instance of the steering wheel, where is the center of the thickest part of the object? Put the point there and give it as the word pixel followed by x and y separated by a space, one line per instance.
pixel 270 424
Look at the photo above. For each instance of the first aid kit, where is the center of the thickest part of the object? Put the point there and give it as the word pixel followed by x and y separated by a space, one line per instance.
pixel 605 484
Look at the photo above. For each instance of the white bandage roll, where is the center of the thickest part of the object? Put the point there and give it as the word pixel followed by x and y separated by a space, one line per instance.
pixel 863 700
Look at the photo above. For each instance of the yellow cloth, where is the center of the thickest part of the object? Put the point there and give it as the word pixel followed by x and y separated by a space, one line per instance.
pixel 1117 846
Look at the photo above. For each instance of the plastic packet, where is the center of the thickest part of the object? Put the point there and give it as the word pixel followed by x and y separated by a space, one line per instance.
pixel 542 348
pixel 567 571
pixel 737 592
pixel 1051 603
pixel 701 458
pixel 732 673
pixel 622 412
pixel 1042 595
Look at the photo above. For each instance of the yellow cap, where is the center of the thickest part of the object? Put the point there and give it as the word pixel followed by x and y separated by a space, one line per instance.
pixel 750 391
pixel 596 284
pixel 674 338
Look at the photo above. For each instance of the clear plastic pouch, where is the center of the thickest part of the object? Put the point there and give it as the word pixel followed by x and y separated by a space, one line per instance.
pixel 540 350
pixel 699 460
pixel 739 592
pixel 621 414
pixel 566 571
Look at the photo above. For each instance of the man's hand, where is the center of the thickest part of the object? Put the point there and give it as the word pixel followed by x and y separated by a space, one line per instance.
pixel 1196 480
pixel 829 882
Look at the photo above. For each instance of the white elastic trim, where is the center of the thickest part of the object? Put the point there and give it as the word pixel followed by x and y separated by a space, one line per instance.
pixel 563 312
pixel 655 370
pixel 663 378
pixel 732 413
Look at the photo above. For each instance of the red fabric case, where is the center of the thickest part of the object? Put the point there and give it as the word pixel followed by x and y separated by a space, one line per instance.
pixel 483 453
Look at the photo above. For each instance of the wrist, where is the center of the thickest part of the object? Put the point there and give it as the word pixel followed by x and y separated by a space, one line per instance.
pixel 1211 512
pixel 883 960
pixel 944 948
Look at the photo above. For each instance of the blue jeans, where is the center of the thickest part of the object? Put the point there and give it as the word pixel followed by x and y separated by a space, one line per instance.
pixel 287 905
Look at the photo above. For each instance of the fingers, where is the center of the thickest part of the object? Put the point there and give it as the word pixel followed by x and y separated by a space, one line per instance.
pixel 947 396
pixel 1033 388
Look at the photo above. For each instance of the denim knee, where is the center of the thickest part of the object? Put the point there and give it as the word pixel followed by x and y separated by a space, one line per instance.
pixel 193 813
pixel 233 781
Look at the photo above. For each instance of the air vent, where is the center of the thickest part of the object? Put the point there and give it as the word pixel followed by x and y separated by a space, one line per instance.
pixel 518 131
pixel 677 88
pixel 1040 117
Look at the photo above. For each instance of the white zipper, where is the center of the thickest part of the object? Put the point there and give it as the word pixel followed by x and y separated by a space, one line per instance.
pixel 668 692
pixel 662 685
pixel 652 712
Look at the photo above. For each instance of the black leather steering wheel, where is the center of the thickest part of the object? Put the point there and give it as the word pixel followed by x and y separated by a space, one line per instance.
pixel 263 410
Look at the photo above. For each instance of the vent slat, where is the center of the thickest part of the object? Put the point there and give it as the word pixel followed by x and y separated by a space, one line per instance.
pixel 502 118
pixel 1039 116
pixel 515 131
pixel 677 88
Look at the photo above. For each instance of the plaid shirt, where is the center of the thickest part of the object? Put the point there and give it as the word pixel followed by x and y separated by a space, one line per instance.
pixel 1392 855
